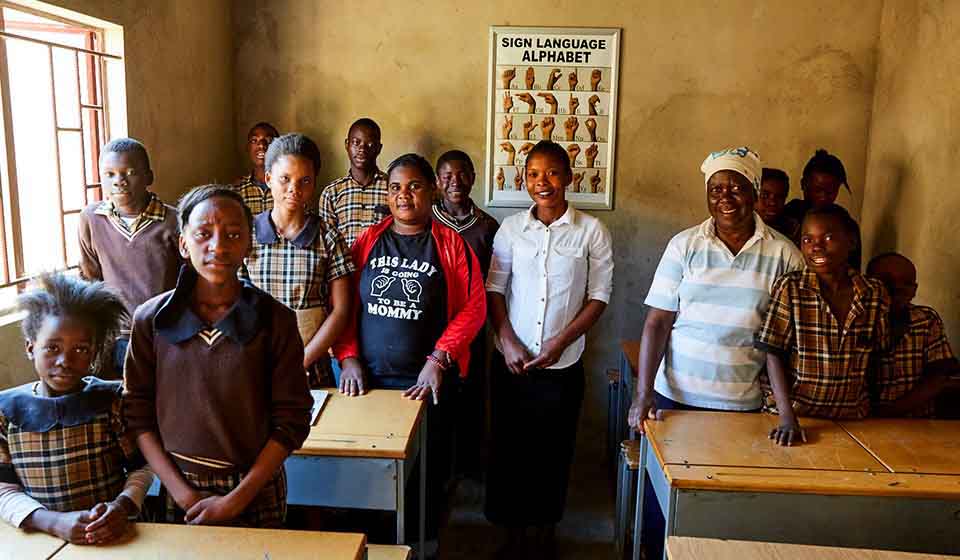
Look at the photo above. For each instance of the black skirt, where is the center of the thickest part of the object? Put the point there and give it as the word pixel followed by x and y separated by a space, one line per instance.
pixel 534 431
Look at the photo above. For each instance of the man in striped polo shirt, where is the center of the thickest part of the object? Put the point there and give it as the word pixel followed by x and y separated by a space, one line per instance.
pixel 708 297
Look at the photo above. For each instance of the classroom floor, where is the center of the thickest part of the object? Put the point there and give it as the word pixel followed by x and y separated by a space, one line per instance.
pixel 585 532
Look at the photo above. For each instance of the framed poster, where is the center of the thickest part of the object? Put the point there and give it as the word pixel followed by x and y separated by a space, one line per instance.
pixel 559 84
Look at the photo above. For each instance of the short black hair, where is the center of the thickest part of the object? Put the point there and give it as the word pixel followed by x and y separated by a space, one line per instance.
pixel 769 173
pixel 263 124
pixel 456 155
pixel 125 146
pixel 550 149
pixel 59 295
pixel 873 262
pixel 837 211
pixel 365 122
pixel 199 194
pixel 416 161
pixel 825 162
pixel 294 144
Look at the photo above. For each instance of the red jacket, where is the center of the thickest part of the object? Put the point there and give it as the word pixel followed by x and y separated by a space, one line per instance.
pixel 466 299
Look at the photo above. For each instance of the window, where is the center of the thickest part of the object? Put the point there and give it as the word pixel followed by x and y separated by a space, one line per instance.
pixel 55 77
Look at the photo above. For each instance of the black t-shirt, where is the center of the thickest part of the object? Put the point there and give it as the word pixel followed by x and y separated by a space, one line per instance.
pixel 403 309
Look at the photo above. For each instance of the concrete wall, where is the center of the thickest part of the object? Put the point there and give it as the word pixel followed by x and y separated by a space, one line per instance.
pixel 914 148
pixel 782 77
pixel 179 83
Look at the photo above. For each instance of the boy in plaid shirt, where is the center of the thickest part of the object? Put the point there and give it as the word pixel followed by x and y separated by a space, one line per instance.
pixel 66 466
pixel 920 364
pixel 824 328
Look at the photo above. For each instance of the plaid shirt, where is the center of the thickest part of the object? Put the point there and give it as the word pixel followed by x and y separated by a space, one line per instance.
pixel 154 212
pixel 65 459
pixel 829 362
pixel 350 208
pixel 901 369
pixel 255 195
pixel 297 272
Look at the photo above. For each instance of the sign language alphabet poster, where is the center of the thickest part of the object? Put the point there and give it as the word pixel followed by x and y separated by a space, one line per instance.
pixel 556 84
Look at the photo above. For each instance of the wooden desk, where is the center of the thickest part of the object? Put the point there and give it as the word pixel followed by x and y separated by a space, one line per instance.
pixel 618 406
pixel 16 544
pixel 687 548
pixel 631 352
pixel 180 542
pixel 910 445
pixel 739 440
pixel 387 552
pixel 714 475
pixel 361 454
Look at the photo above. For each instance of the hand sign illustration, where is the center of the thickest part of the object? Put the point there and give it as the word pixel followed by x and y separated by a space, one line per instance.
pixel 412 289
pixel 380 285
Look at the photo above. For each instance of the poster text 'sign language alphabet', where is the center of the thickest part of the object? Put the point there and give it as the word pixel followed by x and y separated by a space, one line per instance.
pixel 563 50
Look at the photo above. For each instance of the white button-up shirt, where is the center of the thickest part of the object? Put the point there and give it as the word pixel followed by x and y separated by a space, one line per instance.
pixel 548 273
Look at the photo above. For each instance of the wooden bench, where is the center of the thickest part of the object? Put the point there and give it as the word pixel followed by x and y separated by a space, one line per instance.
pixel 688 548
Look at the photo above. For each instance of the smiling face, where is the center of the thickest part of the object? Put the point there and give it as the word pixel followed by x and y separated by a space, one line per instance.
pixel 455 181
pixel 257 144
pixel 124 178
pixel 730 200
pixel 547 177
pixel 216 239
pixel 292 180
pixel 826 243
pixel 773 197
pixel 409 195
pixel 820 189
pixel 62 354
pixel 363 146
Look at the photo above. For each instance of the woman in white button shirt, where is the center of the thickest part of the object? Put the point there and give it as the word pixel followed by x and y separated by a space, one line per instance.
pixel 550 279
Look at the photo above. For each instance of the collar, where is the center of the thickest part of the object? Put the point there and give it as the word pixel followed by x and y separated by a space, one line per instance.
pixel 266 232
pixel 155 210
pixel 448 219
pixel 377 177
pixel 35 413
pixel 809 281
pixel 761 231
pixel 531 222
pixel 250 180
pixel 176 322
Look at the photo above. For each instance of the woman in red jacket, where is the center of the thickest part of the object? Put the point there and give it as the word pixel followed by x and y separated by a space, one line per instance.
pixel 419 301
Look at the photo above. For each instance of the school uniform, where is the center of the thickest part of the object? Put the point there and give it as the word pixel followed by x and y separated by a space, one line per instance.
pixel 349 207
pixel 298 272
pixel 546 273
pixel 829 361
pixel 255 195
pixel 216 394
pixel 901 369
pixel 66 453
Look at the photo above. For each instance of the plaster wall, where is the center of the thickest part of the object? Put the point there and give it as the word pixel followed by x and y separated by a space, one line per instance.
pixel 914 144
pixel 784 78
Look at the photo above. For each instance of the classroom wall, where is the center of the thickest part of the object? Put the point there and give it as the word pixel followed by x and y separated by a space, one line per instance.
pixel 914 147
pixel 782 77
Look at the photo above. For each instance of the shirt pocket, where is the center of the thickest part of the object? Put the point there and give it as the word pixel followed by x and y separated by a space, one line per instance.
pixel 567 267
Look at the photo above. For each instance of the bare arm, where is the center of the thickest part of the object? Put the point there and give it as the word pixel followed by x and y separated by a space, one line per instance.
pixel 161 464
pixel 333 325
pixel 514 352
pixel 936 379
pixel 789 431
pixel 656 334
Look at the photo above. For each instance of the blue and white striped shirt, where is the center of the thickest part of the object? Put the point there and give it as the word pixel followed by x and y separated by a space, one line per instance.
pixel 720 300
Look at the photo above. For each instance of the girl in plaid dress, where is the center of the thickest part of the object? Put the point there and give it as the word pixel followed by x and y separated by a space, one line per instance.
pixel 66 466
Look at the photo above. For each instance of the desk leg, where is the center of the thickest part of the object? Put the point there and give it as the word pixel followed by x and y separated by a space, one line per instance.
pixel 670 519
pixel 401 499
pixel 641 484
pixel 423 481
pixel 619 526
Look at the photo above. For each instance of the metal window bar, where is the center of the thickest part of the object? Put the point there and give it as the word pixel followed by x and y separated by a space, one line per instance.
pixel 96 132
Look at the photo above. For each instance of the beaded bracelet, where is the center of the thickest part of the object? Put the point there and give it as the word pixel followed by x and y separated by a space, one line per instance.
pixel 437 361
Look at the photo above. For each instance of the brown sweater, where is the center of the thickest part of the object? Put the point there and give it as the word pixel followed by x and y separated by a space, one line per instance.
pixel 140 263
pixel 216 394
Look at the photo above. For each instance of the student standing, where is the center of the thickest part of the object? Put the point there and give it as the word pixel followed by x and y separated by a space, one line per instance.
pixel 253 187
pixel 129 240
pixel 824 329
pixel 66 466
pixel 550 279
pixel 296 259
pixel 774 188
pixel 215 388
pixel 359 199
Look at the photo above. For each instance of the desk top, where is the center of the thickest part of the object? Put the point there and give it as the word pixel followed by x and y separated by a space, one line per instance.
pixel 807 481
pixel 631 349
pixel 380 423
pixel 906 445
pixel 739 440
pixel 689 548
pixel 180 542
pixel 16 544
